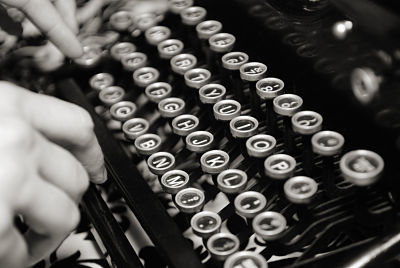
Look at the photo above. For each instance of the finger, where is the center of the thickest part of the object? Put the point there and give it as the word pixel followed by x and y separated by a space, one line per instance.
pixel 89 10
pixel 67 10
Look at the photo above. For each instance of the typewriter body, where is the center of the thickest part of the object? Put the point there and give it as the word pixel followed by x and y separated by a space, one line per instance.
pixel 247 133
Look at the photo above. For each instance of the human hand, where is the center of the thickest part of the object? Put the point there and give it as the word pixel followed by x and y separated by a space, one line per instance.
pixel 48 151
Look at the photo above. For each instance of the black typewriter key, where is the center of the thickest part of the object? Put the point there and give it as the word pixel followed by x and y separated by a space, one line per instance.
pixel 226 110
pixel 121 20
pixel 158 91
pixel 199 141
pixel 198 77
pixel 147 144
pixel 269 225
pixel 268 89
pixel 361 167
pixel 190 200
pixel 184 124
pixel 212 93
pixel 307 123
pixel 145 76
pixel 232 181
pixel 214 162
pixel 176 6
pixel 300 189
pixel 100 81
pixel 222 245
pixel 157 34
pixel 123 110
pixel 206 223
pixel 243 127
pixel 231 63
pixel 110 95
pixel 174 180
pixel 280 166
pixel 120 49
pixel 161 162
pixel 171 107
pixel 135 127
pixel 287 105
pixel 133 61
pixel 144 21
pixel 220 44
pixel 260 146
pixel 246 259
pixel 250 203
pixel 169 48
pixel 182 63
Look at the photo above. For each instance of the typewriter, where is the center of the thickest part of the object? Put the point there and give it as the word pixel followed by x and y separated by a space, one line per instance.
pixel 247 133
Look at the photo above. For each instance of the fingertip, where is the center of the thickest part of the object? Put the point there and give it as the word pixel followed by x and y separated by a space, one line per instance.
pixel 102 178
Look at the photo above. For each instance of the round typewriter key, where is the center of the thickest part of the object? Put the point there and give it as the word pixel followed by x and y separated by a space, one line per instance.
pixel 161 162
pixel 148 144
pixel 306 122
pixel 198 77
pixel 145 21
pixel 174 180
pixel 208 28
pixel 92 54
pixel 182 63
pixel 362 167
pixel 169 48
pixel 365 84
pixel 269 225
pixel 171 107
pixel 212 93
pixel 123 110
pixel 287 104
pixel 135 127
pixel 121 20
pixel 206 223
pixel 199 141
pixel 158 91
pixel 184 124
pixel 252 71
pixel 190 200
pixel 327 143
pixel 222 42
pixel 269 88
pixel 232 181
pixel 246 259
pixel 243 126
pixel 133 61
pixel 222 245
pixel 120 49
pixel 101 80
pixel 145 76
pixel 233 60
pixel 157 34
pixel 226 110
pixel 280 166
pixel 300 189
pixel 214 161
pixel 176 6
pixel 261 145
pixel 111 95
pixel 193 15
pixel 249 204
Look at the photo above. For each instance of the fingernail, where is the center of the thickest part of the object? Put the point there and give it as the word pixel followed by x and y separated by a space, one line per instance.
pixel 101 179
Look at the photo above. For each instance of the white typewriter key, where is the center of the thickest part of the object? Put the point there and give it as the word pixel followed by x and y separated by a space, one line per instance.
pixel 120 49
pixel 214 162
pixel 243 126
pixel 198 77
pixel 253 71
pixel 212 93
pixel 269 88
pixel 111 95
pixel 193 15
pixel 232 181
pixel 280 166
pixel 92 54
pixel 121 20
pixel 169 48
pixel 123 110
pixel 222 42
pixel 148 144
pixel 199 141
pixel 208 28
pixel 261 145
pixel 144 21
pixel 133 61
pixel 145 76
pixel 327 143
pixel 246 259
pixel 135 127
pixel 226 110
pixel 233 60
pixel 206 223
pixel 171 107
pixel 222 245
pixel 176 6
pixel 249 204
pixel 100 81
pixel 157 34
pixel 174 180
pixel 306 122
pixel 161 162
pixel 287 104
pixel 184 124
pixel 362 167
pixel 269 225
pixel 300 189
pixel 190 200
pixel 182 63
pixel 158 91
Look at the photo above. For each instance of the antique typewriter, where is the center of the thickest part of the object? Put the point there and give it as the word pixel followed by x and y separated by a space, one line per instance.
pixel 247 133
